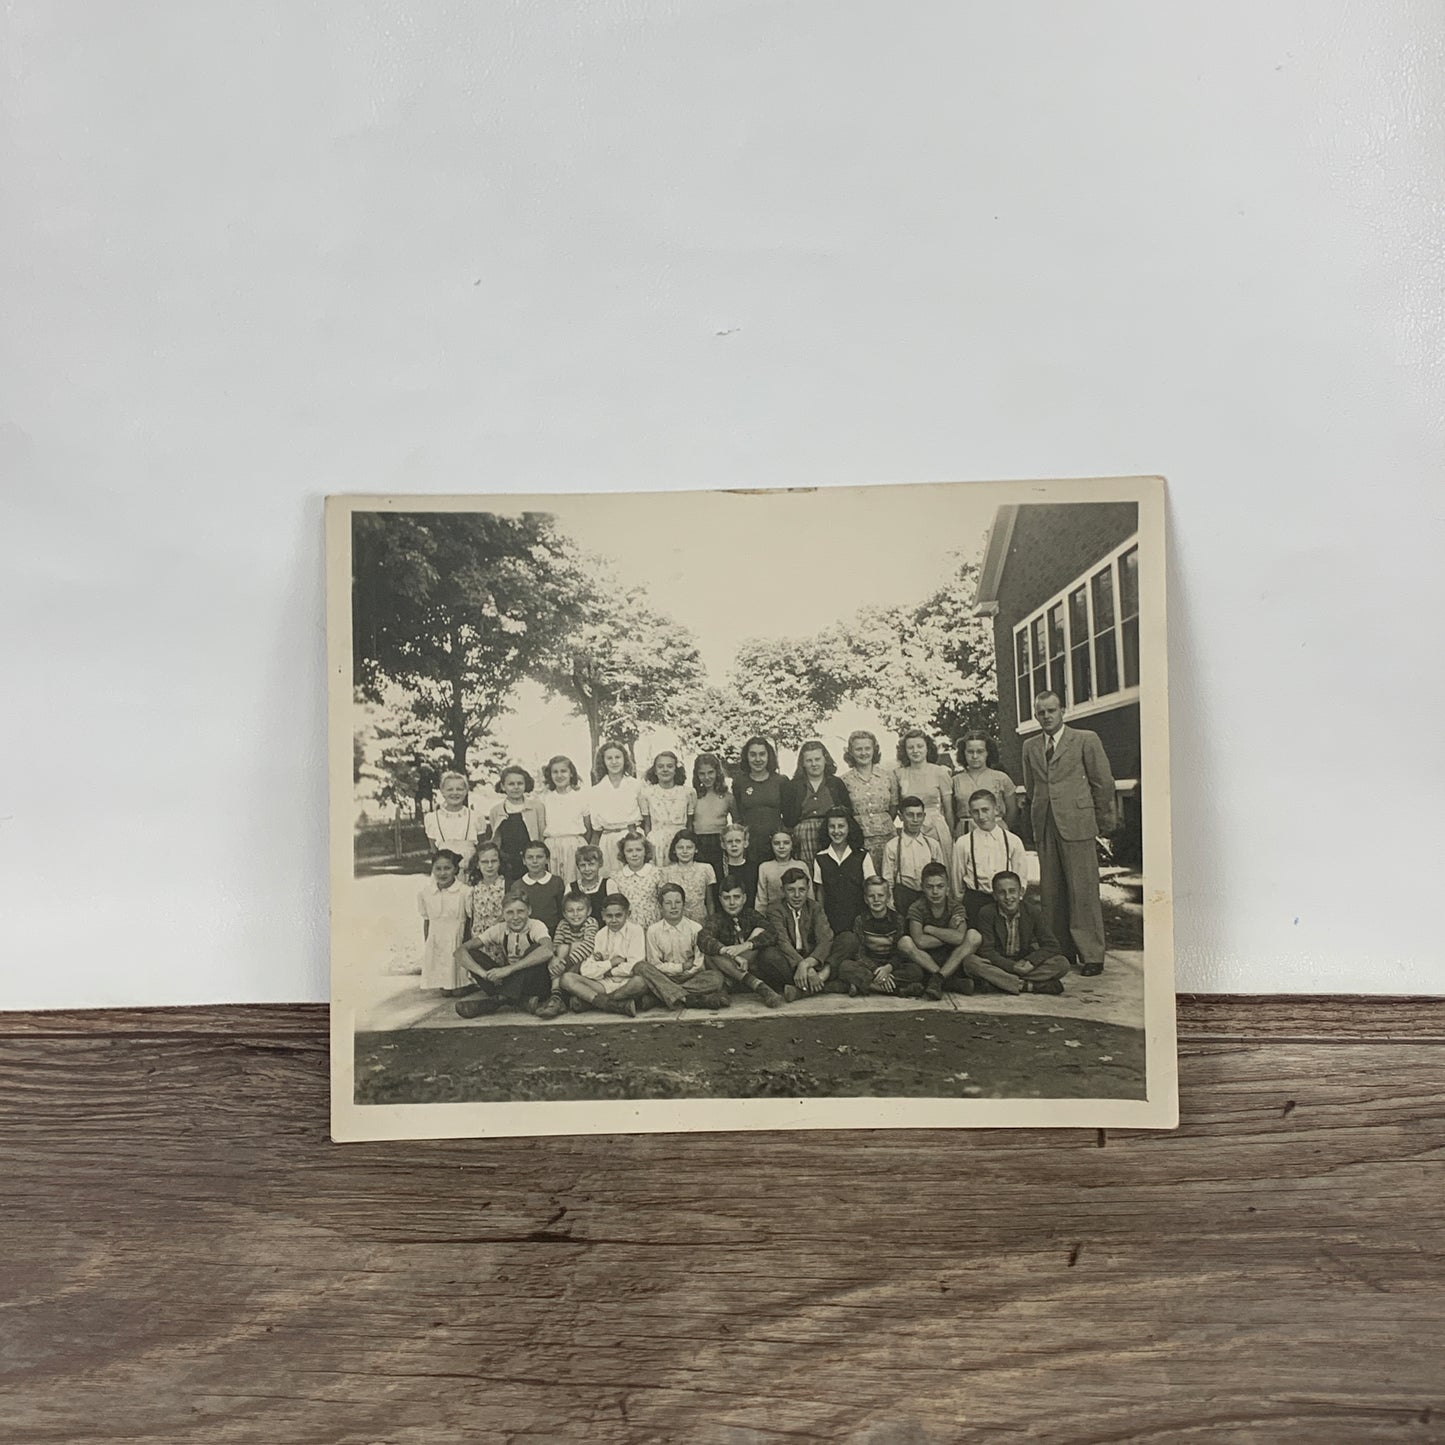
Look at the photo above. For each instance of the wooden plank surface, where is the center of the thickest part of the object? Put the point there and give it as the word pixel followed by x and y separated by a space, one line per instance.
pixel 186 1257
pixel 1302 1017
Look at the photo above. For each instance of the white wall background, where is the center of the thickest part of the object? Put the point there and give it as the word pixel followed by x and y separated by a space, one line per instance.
pixel 257 253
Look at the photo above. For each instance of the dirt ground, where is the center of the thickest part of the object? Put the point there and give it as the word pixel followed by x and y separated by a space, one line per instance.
pixel 932 1053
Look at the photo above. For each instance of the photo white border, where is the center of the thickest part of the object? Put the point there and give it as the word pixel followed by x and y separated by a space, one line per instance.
pixel 353 1122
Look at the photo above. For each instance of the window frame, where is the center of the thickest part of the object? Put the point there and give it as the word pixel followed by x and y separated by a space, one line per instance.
pixel 1023 628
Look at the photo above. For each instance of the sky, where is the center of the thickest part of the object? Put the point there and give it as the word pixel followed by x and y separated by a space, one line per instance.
pixel 731 566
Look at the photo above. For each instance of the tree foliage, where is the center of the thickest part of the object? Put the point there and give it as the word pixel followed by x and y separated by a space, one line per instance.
pixel 621 662
pixel 456 608
pixel 930 665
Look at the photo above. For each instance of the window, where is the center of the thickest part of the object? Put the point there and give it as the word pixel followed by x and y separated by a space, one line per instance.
pixel 1106 643
pixel 1021 673
pixel 1058 651
pixel 1129 614
pixel 1041 656
pixel 1080 667
pixel 1084 643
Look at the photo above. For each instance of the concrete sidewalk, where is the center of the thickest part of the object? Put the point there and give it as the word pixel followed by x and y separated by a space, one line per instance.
pixel 389 998
pixel 1115 996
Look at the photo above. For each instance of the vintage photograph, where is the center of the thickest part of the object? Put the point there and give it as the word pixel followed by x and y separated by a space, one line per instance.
pixel 838 807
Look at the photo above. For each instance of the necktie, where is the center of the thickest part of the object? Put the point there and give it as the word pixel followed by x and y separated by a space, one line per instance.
pixel 1049 749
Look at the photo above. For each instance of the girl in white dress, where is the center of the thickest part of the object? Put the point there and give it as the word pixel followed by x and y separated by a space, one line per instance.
pixel 564 816
pixel 615 804
pixel 454 823
pixel 668 802
pixel 442 904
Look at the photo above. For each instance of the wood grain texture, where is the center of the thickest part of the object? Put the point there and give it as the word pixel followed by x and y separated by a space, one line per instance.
pixel 1328 1018
pixel 188 1258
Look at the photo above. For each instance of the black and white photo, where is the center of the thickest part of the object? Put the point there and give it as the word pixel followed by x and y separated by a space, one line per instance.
pixel 841 807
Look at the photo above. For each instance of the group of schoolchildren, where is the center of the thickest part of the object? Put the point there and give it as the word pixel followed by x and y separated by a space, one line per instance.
pixel 639 893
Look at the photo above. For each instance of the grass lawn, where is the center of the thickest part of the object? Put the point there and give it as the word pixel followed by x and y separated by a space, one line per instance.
pixel 935 1053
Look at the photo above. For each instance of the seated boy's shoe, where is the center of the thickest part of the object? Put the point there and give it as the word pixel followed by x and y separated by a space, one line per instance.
pixel 836 985
pixel 477 1007
pixel 768 997
pixel 959 983
pixel 625 1006
pixel 791 994
pixel 641 1005
pixel 1046 985
pixel 577 1005
pixel 934 988
pixel 909 990
pixel 706 1000
pixel 554 1007
pixel 1091 970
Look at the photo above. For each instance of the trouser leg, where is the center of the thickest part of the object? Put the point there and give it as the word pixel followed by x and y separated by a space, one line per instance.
pixel 1086 909
pixel 771 965
pixel 1054 884
pixel 991 973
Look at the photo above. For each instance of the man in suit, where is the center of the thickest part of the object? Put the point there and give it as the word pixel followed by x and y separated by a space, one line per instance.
pixel 1071 803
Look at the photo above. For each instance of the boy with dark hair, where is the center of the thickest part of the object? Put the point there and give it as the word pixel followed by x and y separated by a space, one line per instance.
pixel 573 942
pixel 732 941
pixel 1016 942
pixel 805 947
pixel 906 856
pixel 939 938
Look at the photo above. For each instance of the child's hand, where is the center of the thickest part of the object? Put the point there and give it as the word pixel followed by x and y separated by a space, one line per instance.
pixel 883 978
pixel 1024 966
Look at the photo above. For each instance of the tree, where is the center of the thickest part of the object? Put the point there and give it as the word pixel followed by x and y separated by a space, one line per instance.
pixel 930 665
pixel 786 686
pixel 456 608
pixel 963 644
pixel 621 662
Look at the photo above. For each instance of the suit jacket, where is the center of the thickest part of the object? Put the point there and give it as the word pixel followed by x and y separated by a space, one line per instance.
pixel 817 931
pixel 1077 785
pixel 1035 941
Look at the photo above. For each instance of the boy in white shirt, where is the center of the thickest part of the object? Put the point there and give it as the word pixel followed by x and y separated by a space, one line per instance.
pixel 982 853
pixel 675 969
pixel 608 980
pixel 906 856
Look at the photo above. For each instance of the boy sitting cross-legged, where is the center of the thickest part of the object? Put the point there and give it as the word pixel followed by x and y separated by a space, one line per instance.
pixel 573 942
pixel 804 948
pixel 1015 941
pixel 608 979
pixel 508 963
pixel 939 938
pixel 883 965
pixel 675 970
pixel 732 941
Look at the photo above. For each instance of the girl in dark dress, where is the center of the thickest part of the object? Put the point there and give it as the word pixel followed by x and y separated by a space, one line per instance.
pixel 515 821
pixel 841 869
pixel 758 796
